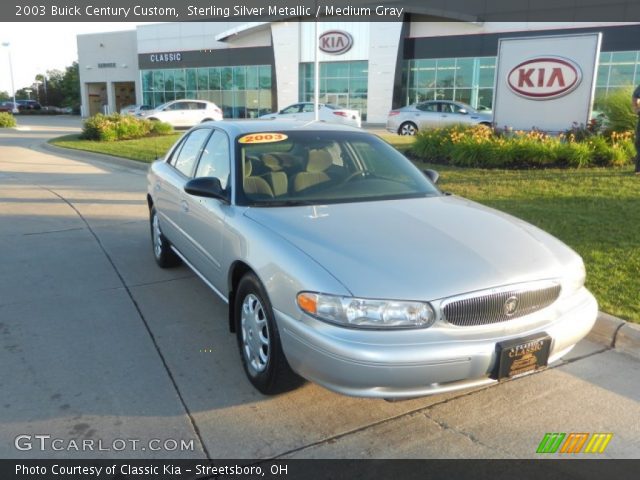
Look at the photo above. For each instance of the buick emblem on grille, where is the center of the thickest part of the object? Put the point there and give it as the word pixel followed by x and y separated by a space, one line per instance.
pixel 510 306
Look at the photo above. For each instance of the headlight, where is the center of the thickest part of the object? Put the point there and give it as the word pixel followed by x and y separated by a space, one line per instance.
pixel 366 313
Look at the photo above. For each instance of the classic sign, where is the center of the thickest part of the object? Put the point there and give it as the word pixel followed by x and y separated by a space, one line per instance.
pixel 335 42
pixel 544 78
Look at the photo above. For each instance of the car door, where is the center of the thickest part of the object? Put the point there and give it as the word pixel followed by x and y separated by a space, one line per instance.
pixel 170 114
pixel 195 113
pixel 307 112
pixel 427 116
pixel 204 218
pixel 452 113
pixel 170 194
pixel 291 112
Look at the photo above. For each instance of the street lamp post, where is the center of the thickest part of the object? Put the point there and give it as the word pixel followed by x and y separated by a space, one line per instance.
pixel 13 88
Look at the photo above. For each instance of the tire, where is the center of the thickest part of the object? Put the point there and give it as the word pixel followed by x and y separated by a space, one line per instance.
pixel 165 257
pixel 408 128
pixel 259 340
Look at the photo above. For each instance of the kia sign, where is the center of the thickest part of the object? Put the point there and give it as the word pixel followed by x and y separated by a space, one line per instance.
pixel 545 82
pixel 335 42
pixel 544 78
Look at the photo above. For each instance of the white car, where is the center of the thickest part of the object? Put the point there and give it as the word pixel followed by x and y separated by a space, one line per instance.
pixel 134 109
pixel 184 113
pixel 328 112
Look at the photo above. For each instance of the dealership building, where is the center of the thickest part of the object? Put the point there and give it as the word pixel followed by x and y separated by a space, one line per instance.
pixel 249 69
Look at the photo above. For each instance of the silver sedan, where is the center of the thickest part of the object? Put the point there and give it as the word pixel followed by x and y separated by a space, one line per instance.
pixel 434 114
pixel 344 264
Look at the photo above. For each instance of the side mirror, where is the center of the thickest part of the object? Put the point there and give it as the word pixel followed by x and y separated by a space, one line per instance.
pixel 208 187
pixel 463 111
pixel 431 175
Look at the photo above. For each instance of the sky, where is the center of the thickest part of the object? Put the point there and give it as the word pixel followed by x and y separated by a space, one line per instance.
pixel 38 47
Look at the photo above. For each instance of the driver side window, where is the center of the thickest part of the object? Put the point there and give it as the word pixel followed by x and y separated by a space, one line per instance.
pixel 291 109
pixel 185 158
pixel 215 161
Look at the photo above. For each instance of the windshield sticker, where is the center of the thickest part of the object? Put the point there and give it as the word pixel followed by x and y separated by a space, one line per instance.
pixel 263 138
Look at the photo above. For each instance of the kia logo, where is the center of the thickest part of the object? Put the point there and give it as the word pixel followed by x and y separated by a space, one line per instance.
pixel 335 42
pixel 544 78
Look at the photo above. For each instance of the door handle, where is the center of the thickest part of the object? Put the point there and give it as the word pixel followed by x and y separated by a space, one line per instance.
pixel 157 187
pixel 185 206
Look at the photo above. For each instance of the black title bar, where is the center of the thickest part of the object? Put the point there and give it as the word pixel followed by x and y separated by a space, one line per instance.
pixel 312 10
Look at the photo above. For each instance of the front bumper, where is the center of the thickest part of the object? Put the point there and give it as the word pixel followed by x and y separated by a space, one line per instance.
pixel 408 363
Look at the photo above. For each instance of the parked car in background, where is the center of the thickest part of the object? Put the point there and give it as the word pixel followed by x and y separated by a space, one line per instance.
pixel 183 113
pixel 328 112
pixel 8 107
pixel 28 105
pixel 411 119
pixel 134 109
pixel 343 263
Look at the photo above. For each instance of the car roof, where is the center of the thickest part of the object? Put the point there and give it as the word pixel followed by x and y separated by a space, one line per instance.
pixel 239 127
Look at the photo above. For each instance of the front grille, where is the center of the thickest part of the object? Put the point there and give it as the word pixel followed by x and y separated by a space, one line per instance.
pixel 506 304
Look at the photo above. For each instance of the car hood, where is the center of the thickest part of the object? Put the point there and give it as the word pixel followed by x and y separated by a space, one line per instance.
pixel 426 248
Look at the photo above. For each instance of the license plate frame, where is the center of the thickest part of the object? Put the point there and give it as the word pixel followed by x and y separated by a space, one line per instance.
pixel 521 356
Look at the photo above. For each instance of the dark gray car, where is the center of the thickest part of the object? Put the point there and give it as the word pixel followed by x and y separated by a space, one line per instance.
pixel 434 114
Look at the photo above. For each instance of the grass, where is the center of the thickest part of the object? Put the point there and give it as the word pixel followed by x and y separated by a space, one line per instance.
pixel 595 211
pixel 141 149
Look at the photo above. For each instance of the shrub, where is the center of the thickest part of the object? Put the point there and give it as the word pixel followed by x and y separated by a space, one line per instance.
pixel 619 111
pixel 7 120
pixel 161 128
pixel 108 128
pixel 480 147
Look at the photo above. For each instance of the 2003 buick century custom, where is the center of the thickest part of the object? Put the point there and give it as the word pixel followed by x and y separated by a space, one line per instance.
pixel 343 263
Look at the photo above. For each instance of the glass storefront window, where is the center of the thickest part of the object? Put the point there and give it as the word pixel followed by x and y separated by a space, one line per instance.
pixel 191 79
pixel 464 72
pixel 470 80
pixel 214 79
pixel 241 92
pixel 179 81
pixel 252 78
pixel 203 79
pixel 226 78
pixel 239 78
pixel 158 81
pixel 342 83
pixel 265 76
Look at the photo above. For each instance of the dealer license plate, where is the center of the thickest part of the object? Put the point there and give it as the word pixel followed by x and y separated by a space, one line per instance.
pixel 522 355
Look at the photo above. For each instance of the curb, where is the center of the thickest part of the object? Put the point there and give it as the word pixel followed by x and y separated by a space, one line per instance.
pixel 83 156
pixel 616 333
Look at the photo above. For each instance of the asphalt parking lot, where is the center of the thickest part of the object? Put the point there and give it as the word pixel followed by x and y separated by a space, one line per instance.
pixel 98 343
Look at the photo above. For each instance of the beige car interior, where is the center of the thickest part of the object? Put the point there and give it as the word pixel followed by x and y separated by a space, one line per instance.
pixel 277 174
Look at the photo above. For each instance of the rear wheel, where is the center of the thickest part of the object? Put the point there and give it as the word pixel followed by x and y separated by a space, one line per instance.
pixel 408 128
pixel 259 340
pixel 165 257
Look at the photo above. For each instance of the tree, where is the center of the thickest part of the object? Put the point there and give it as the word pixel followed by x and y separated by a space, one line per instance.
pixel 70 87
pixel 4 97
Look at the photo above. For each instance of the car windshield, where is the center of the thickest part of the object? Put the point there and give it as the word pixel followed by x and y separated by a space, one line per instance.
pixel 309 168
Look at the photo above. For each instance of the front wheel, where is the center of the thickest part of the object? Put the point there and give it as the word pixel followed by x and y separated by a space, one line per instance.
pixel 408 128
pixel 259 341
pixel 165 257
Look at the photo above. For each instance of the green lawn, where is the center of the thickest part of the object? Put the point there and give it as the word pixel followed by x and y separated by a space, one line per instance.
pixel 143 149
pixel 595 211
